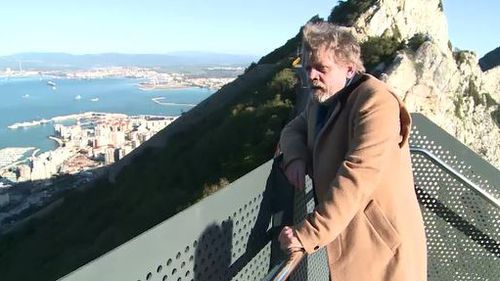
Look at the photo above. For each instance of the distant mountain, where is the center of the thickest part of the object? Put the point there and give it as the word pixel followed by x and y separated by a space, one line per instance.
pixel 490 60
pixel 42 61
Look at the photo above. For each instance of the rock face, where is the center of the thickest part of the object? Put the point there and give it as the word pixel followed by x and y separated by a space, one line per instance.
pixel 452 94
pixel 406 17
pixel 449 88
pixel 492 82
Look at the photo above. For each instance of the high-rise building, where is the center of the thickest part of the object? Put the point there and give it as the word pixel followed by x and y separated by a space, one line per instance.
pixel 109 156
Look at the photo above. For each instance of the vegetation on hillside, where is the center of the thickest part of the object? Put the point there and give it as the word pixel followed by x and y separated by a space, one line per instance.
pixel 380 49
pixel 416 41
pixel 496 116
pixel 484 99
pixel 378 52
pixel 159 183
pixel 347 11
pixel 460 56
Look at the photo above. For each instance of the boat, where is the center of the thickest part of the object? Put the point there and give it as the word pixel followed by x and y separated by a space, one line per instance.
pixel 95 99
pixel 78 97
pixel 51 83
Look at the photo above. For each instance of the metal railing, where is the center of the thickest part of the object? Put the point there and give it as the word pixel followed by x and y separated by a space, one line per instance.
pixel 436 160
pixel 283 270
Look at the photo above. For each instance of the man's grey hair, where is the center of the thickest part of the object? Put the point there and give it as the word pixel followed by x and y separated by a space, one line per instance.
pixel 336 38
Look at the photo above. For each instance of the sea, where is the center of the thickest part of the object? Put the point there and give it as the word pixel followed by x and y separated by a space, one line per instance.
pixel 26 99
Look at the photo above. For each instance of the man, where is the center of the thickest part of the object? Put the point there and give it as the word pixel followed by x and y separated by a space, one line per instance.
pixel 352 139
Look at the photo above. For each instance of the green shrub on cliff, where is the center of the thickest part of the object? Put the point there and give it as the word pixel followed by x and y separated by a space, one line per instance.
pixel 416 41
pixel 460 56
pixel 346 12
pixel 496 116
pixel 381 49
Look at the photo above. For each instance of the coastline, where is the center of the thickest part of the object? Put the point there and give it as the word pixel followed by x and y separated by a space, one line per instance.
pixel 63 118
pixel 58 140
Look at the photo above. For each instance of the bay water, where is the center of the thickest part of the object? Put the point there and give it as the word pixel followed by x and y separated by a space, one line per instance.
pixel 25 99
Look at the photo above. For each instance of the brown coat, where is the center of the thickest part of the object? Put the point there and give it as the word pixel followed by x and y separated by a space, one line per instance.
pixel 367 214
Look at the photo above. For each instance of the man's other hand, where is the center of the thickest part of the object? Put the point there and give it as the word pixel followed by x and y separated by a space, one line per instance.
pixel 296 173
pixel 289 241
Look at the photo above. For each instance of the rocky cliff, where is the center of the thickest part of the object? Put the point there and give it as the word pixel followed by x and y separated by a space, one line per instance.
pixel 447 86
pixel 405 18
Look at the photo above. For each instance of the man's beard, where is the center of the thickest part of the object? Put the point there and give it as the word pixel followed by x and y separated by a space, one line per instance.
pixel 319 92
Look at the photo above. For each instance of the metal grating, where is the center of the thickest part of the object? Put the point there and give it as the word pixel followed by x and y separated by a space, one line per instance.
pixel 223 237
pixel 463 229
pixel 313 267
pixel 218 253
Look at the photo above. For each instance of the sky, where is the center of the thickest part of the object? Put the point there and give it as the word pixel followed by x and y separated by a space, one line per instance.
pixel 224 26
pixel 473 24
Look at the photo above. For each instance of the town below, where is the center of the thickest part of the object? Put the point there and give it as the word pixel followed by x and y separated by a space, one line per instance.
pixel 86 142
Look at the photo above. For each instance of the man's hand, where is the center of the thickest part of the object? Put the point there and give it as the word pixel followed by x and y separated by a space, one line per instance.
pixel 296 173
pixel 289 241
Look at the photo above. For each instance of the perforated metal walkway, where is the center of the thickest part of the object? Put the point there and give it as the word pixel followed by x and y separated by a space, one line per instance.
pixel 227 236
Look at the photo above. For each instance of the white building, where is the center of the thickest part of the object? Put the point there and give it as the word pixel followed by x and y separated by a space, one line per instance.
pixel 24 172
pixel 47 164
pixel 109 156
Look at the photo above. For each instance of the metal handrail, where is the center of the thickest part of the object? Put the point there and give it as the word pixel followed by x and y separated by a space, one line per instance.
pixel 486 195
pixel 282 271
